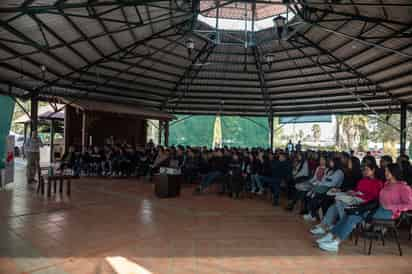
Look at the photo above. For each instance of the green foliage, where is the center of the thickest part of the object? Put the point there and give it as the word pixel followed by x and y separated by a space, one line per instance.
pixel 18 112
pixel 384 128
pixel 353 128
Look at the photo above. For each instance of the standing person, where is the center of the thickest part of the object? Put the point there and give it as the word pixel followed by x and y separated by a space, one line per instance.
pixel 33 157
pixel 289 146
pixel 281 171
pixel 298 146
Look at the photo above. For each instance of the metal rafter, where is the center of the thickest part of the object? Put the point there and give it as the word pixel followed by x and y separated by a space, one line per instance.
pixel 206 48
pixel 345 64
pixel 358 17
pixel 123 50
pixel 261 75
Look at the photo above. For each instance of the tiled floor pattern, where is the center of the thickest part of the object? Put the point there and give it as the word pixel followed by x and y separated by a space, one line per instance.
pixel 118 226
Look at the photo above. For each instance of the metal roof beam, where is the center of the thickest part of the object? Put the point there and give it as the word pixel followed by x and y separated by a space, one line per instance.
pixel 338 81
pixel 262 82
pixel 125 50
pixel 362 41
pixel 358 17
pixel 344 64
pixel 75 5
pixel 205 51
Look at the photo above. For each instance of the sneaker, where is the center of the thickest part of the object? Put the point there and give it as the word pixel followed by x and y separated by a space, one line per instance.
pixel 332 246
pixel 327 238
pixel 318 230
pixel 261 192
pixel 291 206
pixel 309 217
pixel 197 191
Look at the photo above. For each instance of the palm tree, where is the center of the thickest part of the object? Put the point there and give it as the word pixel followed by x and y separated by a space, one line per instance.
pixel 316 132
pixel 339 119
pixel 353 126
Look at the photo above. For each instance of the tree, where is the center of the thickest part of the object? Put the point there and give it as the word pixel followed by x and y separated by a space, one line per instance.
pixel 353 127
pixel 277 132
pixel 385 131
pixel 301 134
pixel 339 119
pixel 316 133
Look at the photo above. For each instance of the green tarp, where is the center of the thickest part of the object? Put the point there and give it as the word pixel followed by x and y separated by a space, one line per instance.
pixel 245 131
pixel 6 114
pixel 192 130
pixel 236 131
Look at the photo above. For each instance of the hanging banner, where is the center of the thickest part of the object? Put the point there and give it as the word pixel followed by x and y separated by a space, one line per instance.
pixel 306 119
pixel 6 113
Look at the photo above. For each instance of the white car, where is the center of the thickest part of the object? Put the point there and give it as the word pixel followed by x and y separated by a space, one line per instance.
pixel 18 143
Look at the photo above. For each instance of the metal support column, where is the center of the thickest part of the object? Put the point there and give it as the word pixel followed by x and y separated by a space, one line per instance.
pixel 24 140
pixel 159 134
pixel 33 112
pixel 84 131
pixel 51 141
pixel 271 131
pixel 166 130
pixel 403 128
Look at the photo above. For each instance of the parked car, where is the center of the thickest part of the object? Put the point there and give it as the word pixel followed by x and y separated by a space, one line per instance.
pixel 18 144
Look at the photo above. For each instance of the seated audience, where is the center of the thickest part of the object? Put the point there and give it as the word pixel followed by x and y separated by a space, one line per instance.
pixel 333 179
pixel 303 188
pixel 384 162
pixel 394 198
pixel 300 174
pixel 218 167
pixel 367 189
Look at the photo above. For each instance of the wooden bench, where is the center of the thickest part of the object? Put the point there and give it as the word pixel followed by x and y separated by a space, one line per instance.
pixel 54 181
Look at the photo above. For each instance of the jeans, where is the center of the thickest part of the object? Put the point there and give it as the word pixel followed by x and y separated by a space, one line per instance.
pixel 256 182
pixel 335 211
pixel 208 179
pixel 346 225
pixel 274 185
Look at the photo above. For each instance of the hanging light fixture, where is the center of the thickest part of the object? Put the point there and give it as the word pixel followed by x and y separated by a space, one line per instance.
pixel 279 25
pixel 190 45
pixel 269 58
pixel 43 69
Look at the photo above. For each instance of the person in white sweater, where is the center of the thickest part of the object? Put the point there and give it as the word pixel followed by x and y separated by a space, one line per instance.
pixel 300 174
pixel 303 188
pixel 333 179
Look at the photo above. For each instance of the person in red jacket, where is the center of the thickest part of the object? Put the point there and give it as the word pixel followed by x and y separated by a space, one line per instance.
pixel 366 190
pixel 394 198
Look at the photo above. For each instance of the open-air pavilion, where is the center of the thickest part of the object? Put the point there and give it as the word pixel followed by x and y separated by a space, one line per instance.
pixel 158 59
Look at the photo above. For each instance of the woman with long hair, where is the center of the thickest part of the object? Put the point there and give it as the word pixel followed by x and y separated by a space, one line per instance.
pixel 367 190
pixel 394 198
pixel 333 179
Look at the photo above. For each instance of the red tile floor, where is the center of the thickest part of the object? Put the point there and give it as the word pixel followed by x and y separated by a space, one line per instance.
pixel 119 226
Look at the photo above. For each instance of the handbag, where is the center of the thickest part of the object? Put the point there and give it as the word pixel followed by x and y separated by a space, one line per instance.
pixel 321 189
pixel 362 208
pixel 348 199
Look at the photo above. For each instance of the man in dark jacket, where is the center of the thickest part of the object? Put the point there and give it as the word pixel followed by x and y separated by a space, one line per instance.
pixel 218 167
pixel 281 171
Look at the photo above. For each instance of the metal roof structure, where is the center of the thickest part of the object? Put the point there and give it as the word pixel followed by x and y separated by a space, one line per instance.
pixel 340 56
